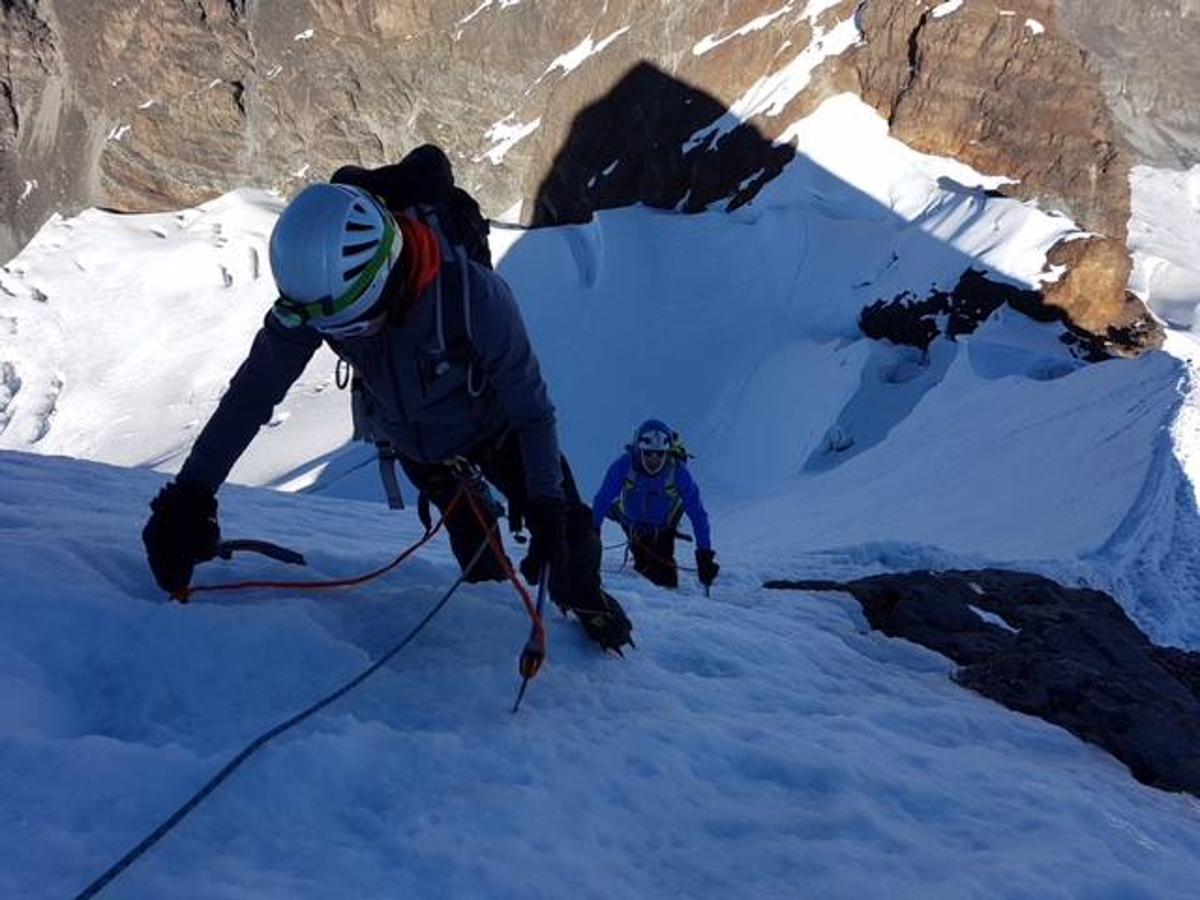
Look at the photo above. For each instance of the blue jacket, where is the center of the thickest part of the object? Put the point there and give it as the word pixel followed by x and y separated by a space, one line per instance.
pixel 651 500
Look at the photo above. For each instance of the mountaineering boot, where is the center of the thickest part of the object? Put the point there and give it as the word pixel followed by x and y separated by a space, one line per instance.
pixel 606 623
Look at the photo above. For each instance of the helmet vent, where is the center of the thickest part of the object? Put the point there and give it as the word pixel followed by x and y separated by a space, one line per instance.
pixel 355 249
pixel 359 226
pixel 352 273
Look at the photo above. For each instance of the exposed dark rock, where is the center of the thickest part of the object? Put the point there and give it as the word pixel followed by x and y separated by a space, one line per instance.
pixel 916 322
pixel 1067 655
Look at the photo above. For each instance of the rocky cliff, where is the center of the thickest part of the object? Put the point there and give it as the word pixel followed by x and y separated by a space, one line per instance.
pixel 567 107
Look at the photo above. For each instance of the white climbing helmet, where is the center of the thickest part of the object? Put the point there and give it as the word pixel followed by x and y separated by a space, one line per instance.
pixel 332 251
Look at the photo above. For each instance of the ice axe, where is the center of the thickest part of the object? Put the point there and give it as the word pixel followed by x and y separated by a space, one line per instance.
pixel 226 549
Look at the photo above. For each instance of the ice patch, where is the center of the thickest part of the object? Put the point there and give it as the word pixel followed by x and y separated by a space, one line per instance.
pixel 506 134
pixel 945 9
pixel 992 619
pixel 711 41
pixel 577 55
pixel 504 4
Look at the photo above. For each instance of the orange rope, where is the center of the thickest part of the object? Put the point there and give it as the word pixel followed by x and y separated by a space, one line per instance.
pixel 186 594
pixel 498 550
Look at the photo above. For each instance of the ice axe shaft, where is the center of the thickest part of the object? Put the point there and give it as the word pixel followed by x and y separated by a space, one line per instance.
pixel 226 549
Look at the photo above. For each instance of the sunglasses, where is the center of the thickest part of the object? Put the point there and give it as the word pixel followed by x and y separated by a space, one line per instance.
pixel 358 328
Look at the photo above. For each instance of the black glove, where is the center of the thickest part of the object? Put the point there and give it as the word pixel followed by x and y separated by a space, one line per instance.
pixel 182 531
pixel 706 567
pixel 547 521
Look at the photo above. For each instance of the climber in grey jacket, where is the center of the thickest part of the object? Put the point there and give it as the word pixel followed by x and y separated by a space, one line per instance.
pixel 375 284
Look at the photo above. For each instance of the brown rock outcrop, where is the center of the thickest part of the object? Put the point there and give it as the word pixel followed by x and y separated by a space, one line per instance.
pixel 1000 87
pixel 1092 294
pixel 982 85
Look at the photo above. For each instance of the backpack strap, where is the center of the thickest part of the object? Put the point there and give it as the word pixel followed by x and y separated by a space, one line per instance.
pixel 628 487
pixel 452 298
pixel 670 488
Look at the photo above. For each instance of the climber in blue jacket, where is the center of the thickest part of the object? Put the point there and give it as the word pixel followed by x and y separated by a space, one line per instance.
pixel 647 491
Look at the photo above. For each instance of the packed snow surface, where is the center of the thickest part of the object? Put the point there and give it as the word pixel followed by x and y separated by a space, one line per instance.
pixel 756 744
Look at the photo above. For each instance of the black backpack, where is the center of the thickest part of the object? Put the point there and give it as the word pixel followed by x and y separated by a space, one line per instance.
pixel 425 178
pixel 423 181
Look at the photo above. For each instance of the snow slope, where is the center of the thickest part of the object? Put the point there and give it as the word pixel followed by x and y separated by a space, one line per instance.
pixel 758 744
pixel 763 744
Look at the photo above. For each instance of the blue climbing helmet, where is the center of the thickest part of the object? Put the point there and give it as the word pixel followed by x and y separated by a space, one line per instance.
pixel 332 251
pixel 653 441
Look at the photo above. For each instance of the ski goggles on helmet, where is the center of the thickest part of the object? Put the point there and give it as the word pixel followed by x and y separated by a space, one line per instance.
pixel 364 327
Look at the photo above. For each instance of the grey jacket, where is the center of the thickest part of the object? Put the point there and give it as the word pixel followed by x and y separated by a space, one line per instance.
pixel 420 395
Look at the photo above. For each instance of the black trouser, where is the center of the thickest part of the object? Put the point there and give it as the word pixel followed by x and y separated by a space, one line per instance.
pixel 654 553
pixel 578 586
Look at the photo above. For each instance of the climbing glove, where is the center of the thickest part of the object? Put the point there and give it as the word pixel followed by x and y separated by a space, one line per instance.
pixel 706 567
pixel 547 520
pixel 181 532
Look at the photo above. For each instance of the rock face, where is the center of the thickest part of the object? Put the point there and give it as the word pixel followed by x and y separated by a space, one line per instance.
pixel 983 85
pixel 165 103
pixel 1006 89
pixel 564 107
pixel 1067 655
pixel 1150 62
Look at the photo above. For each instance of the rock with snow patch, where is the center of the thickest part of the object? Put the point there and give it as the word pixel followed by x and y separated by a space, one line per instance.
pixel 1068 655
